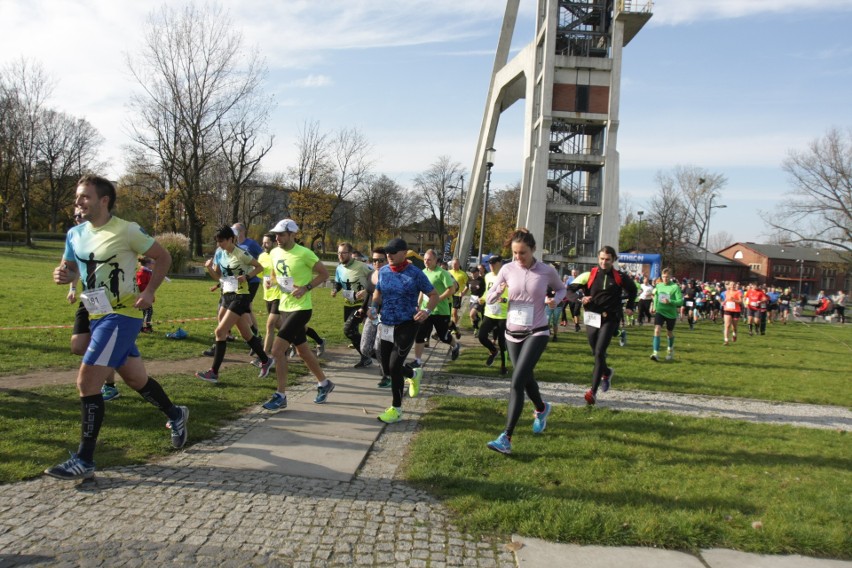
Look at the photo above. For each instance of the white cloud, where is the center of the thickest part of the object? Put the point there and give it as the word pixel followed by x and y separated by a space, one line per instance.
pixel 312 81
pixel 673 12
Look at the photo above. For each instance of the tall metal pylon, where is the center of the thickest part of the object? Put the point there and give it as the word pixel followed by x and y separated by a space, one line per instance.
pixel 570 78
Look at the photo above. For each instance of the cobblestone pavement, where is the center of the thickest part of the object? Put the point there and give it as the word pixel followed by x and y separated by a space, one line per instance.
pixel 180 511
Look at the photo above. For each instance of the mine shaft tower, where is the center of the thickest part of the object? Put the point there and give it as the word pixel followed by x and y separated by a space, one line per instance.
pixel 570 77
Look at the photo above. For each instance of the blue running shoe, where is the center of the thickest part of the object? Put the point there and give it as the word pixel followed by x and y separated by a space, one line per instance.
pixel 277 402
pixel 110 392
pixel 74 468
pixel 606 380
pixel 540 422
pixel 178 428
pixel 502 444
pixel 323 392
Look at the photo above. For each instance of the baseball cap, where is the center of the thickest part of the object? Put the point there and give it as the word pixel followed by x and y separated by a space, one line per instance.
pixel 285 226
pixel 395 245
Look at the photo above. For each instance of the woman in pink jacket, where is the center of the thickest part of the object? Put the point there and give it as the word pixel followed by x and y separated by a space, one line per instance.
pixel 527 331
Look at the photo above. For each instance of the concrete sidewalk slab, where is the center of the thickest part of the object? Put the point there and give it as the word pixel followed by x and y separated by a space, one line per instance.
pixel 723 558
pixel 536 552
pixel 322 441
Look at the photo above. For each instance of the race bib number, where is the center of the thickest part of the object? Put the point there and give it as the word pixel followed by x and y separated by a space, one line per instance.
pixel 349 295
pixel 521 314
pixel 286 284
pixel 474 300
pixel 96 301
pixel 386 332
pixel 784 302
pixel 663 297
pixel 592 319
pixel 492 309
pixel 762 305
pixel 229 284
pixel 689 304
pixel 730 306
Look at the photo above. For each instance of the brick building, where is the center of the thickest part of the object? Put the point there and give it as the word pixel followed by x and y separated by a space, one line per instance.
pixel 802 269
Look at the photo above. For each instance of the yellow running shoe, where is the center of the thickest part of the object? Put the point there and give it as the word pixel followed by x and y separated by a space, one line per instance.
pixel 390 415
pixel 414 383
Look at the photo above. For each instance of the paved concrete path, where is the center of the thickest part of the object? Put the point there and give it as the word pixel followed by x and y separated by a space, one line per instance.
pixel 313 485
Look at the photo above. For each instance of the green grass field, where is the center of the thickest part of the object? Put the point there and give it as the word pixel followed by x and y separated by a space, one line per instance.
pixel 596 476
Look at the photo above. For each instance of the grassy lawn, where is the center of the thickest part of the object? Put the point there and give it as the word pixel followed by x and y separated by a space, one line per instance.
pixel 810 363
pixel 622 478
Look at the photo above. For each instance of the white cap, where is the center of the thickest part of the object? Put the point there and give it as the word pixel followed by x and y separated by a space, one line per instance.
pixel 285 226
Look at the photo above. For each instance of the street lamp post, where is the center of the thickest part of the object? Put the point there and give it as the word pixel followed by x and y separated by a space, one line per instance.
pixel 801 274
pixel 639 235
pixel 489 163
pixel 460 188
pixel 707 235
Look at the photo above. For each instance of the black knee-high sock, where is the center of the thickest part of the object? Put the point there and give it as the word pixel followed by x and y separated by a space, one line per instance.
pixel 153 392
pixel 257 347
pixel 219 355
pixel 254 330
pixel 310 332
pixel 92 409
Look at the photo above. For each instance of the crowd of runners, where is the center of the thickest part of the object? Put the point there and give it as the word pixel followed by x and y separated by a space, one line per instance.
pixel 390 306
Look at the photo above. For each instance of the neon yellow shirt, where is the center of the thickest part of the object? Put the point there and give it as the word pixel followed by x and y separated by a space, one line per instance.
pixel 490 277
pixel 298 264
pixel 274 291
pixel 461 277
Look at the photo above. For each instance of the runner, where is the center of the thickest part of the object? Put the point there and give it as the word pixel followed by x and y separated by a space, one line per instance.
pixel 646 296
pixel 369 339
pixel 271 294
pixel 476 287
pixel 460 276
pixel 667 301
pixel 439 317
pixel 495 317
pixel 254 249
pixel 785 300
pixel 527 334
pixel 233 267
pixel 143 276
pixel 603 288
pixel 94 251
pixel 690 294
pixel 297 270
pixel 732 304
pixel 352 277
pixel 754 297
pixel 396 301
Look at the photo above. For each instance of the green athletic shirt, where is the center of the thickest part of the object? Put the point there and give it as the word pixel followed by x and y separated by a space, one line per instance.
pixel 669 310
pixel 298 263
pixel 274 291
pixel 490 277
pixel 238 262
pixel 352 278
pixel 441 280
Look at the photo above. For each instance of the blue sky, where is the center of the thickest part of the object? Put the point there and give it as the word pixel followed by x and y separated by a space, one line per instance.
pixel 726 85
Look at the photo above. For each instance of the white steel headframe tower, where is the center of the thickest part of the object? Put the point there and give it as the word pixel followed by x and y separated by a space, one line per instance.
pixel 570 77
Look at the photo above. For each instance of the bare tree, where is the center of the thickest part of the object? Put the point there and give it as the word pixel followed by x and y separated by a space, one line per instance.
pixel 194 73
pixel 311 183
pixel 818 210
pixel 8 171
pixel 25 87
pixel 436 189
pixel 350 159
pixel 720 240
pixel 669 225
pixel 242 152
pixel 67 148
pixel 698 190
pixel 380 201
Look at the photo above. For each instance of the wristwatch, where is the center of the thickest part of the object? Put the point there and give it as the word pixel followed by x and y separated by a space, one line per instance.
pixel 309 286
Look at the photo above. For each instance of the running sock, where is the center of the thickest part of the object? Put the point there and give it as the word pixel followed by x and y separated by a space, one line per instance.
pixel 219 355
pixel 323 383
pixel 656 343
pixel 153 392
pixel 257 347
pixel 92 412
pixel 671 343
pixel 254 330
pixel 310 332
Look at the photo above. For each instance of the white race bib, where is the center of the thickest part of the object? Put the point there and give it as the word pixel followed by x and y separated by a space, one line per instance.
pixel 286 284
pixel 349 295
pixel 267 281
pixel 474 300
pixel 386 332
pixel 521 314
pixel 663 297
pixel 492 309
pixel 229 284
pixel 96 301
pixel 592 319
pixel 689 304
pixel 730 306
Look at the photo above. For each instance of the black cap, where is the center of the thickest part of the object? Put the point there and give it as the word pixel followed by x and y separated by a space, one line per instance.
pixel 495 258
pixel 395 245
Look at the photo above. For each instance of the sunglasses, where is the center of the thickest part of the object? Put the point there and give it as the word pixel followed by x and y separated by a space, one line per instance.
pixel 378 260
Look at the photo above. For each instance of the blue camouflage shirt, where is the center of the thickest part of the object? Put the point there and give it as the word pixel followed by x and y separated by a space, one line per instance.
pixel 400 291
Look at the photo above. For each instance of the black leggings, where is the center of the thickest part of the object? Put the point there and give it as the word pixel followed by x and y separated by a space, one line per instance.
pixel 488 325
pixel 393 357
pixel 524 357
pixel 599 339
